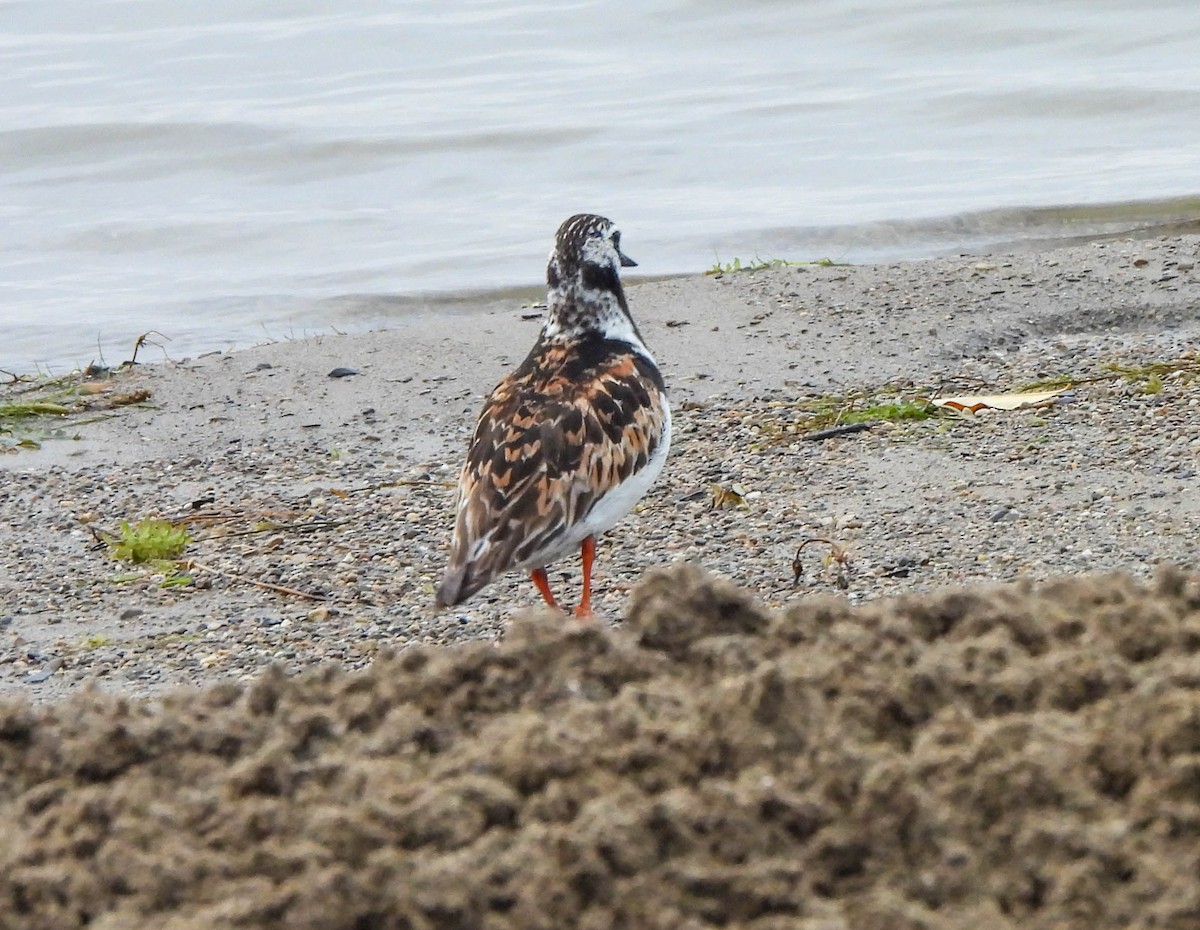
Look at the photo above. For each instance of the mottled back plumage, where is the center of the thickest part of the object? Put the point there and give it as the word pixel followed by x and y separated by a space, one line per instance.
pixel 567 443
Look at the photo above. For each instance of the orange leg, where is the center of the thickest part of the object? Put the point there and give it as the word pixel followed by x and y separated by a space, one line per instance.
pixel 588 553
pixel 543 585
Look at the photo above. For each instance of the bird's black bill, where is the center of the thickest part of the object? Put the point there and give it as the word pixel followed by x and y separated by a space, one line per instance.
pixel 626 261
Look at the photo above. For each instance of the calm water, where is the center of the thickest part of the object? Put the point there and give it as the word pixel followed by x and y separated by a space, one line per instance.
pixel 229 172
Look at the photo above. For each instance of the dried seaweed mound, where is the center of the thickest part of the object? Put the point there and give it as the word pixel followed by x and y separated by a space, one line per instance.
pixel 985 758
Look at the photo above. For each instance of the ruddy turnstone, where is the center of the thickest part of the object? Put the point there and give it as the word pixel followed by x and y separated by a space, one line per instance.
pixel 568 443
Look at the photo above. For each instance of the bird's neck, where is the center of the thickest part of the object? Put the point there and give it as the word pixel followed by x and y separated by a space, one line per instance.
pixel 573 311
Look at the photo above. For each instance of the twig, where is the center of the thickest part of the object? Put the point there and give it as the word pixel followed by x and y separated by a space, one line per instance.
pixel 266 585
pixel 96 419
pixel 144 339
pixel 837 553
pixel 399 483
pixel 102 534
pixel 311 527
pixel 838 431
pixel 204 519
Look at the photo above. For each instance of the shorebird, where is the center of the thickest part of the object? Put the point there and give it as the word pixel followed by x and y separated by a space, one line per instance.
pixel 571 440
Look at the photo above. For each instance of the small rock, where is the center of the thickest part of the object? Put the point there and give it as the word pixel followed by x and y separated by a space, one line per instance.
pixel 899 567
pixel 343 372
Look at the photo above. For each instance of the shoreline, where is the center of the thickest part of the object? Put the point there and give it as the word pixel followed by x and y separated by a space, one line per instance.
pixel 880 241
pixel 343 486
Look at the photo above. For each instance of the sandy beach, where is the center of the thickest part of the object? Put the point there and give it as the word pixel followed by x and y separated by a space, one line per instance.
pixel 752 734
pixel 341 488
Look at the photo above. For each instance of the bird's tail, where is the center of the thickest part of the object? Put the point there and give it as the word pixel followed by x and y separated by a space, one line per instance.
pixel 451 590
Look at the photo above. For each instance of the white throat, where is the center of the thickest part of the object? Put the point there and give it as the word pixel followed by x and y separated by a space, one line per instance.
pixel 572 311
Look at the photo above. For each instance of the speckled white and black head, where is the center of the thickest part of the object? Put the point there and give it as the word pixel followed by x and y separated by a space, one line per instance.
pixel 584 277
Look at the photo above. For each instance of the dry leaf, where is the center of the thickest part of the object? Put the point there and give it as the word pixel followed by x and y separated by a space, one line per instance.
pixel 727 497
pixel 1012 401
pixel 130 397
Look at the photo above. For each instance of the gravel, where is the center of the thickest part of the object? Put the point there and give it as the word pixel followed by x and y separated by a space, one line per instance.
pixel 352 517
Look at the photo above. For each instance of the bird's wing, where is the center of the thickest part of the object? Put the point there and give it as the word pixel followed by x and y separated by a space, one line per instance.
pixel 544 453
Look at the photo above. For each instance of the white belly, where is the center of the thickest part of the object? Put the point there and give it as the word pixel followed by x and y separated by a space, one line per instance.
pixel 612 506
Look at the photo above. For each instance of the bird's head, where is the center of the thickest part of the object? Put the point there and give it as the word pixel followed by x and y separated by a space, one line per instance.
pixel 587 252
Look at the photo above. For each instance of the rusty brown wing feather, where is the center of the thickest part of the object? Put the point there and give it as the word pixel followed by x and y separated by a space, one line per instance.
pixel 553 438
